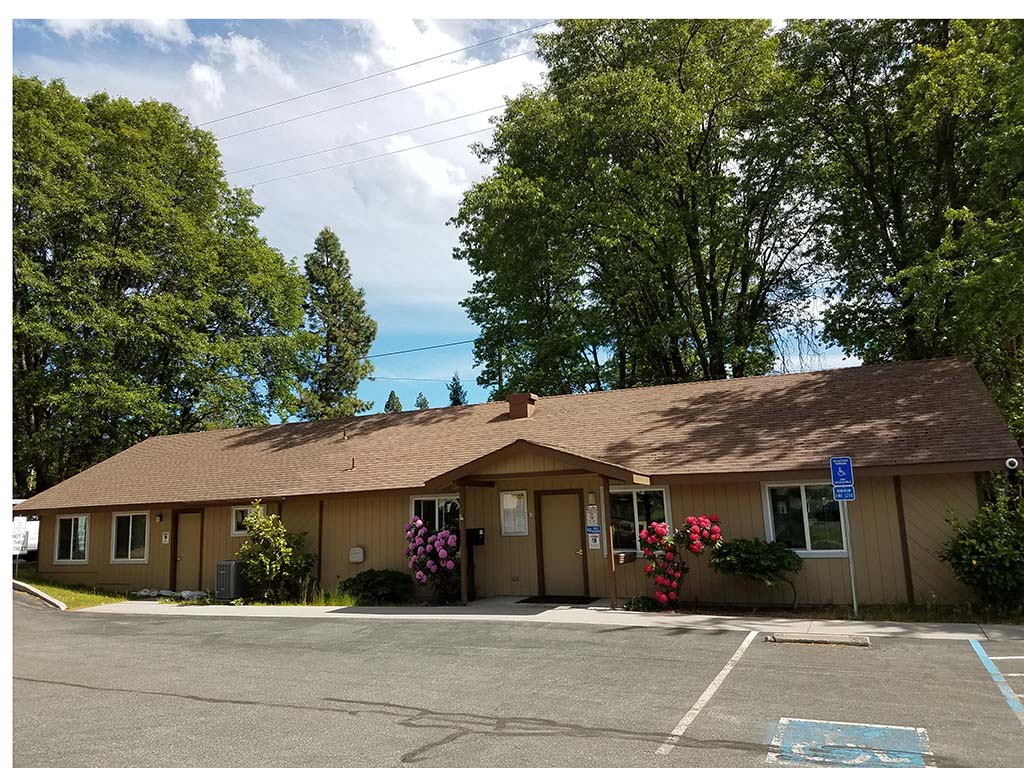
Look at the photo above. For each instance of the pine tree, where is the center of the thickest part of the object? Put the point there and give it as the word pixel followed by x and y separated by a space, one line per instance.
pixel 393 405
pixel 336 314
pixel 456 392
pixel 421 401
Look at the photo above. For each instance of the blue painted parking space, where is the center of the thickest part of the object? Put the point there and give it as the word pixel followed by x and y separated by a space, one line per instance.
pixel 800 742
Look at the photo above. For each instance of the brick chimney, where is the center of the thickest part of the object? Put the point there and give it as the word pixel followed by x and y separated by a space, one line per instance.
pixel 521 405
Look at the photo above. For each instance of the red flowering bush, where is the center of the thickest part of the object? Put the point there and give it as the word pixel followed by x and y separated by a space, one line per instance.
pixel 663 552
pixel 434 558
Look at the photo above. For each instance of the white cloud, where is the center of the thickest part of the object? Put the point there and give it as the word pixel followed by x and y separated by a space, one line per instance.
pixel 247 55
pixel 441 177
pixel 158 32
pixel 208 82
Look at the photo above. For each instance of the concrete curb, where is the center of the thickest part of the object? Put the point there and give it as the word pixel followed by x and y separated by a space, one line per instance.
pixel 21 586
pixel 860 641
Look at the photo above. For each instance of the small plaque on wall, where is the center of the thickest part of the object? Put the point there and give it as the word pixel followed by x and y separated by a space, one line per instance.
pixel 355 555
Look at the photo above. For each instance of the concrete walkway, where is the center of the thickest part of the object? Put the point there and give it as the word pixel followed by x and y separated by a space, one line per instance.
pixel 507 609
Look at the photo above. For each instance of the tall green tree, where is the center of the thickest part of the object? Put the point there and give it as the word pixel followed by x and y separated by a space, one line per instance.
pixel 644 222
pixel 336 315
pixel 393 405
pixel 457 394
pixel 145 300
pixel 421 402
pixel 918 128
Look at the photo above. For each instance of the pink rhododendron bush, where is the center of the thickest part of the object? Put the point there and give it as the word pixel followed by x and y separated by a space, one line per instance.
pixel 434 559
pixel 664 554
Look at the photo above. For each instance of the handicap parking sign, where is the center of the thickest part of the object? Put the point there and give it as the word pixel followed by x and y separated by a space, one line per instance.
pixel 824 743
pixel 842 470
pixel 843 493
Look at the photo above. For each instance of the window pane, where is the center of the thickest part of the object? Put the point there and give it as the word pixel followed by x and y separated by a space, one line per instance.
pixel 80 537
pixel 448 513
pixel 64 526
pixel 138 537
pixel 624 533
pixel 513 514
pixel 122 529
pixel 240 515
pixel 823 514
pixel 425 510
pixel 788 516
pixel 650 507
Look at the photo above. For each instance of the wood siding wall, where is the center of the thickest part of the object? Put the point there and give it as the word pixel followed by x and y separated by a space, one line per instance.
pixel 507 565
pixel 927 501
pixel 99 571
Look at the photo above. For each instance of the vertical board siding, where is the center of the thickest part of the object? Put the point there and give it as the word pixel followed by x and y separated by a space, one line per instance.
pixel 100 572
pixel 507 565
pixel 927 501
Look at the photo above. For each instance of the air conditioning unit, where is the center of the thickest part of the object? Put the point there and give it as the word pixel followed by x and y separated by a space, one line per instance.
pixel 230 582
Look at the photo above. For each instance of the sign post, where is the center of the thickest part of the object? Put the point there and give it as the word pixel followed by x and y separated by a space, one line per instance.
pixel 843 492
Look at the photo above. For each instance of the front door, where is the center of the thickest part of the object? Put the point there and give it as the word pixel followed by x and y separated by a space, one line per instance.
pixel 562 552
pixel 188 545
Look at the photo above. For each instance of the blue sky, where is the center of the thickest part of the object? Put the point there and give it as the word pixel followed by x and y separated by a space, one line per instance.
pixel 389 213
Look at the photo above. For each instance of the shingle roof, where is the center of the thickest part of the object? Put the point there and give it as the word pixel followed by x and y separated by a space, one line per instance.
pixel 896 415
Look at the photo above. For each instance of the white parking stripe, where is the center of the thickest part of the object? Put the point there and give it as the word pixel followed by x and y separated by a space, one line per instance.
pixel 1003 658
pixel 705 697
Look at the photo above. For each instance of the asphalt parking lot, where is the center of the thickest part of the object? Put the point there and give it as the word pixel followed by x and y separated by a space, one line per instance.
pixel 110 690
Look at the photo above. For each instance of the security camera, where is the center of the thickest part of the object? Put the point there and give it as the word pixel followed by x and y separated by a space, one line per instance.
pixel 1012 463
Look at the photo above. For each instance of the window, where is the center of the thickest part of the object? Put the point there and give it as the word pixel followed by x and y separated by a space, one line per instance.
pixel 632 511
pixel 130 540
pixel 513 513
pixel 805 518
pixel 72 544
pixel 437 512
pixel 238 526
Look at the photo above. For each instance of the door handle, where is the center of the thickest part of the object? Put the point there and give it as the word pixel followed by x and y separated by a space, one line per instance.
pixel 579 552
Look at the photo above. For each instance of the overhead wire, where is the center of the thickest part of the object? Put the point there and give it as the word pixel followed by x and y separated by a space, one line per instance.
pixel 375 74
pixel 365 99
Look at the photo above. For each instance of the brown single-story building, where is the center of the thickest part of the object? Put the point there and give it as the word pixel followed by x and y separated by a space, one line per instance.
pixel 536 474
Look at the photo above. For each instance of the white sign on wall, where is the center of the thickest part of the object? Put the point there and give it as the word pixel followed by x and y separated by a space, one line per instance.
pixel 591 515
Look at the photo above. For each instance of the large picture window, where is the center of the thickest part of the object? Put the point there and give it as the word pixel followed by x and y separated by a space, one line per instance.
pixel 130 539
pixel 805 518
pixel 72 539
pixel 437 512
pixel 632 510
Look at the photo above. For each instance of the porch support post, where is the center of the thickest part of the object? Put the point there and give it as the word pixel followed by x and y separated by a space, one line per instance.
pixel 463 549
pixel 606 502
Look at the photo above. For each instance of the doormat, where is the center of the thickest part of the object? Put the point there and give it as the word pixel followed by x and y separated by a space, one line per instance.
pixel 559 599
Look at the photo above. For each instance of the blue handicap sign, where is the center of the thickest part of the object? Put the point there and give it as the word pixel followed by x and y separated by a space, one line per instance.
pixel 821 742
pixel 591 529
pixel 843 493
pixel 842 470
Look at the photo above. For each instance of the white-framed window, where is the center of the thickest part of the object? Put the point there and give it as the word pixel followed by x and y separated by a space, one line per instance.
pixel 513 514
pixel 805 517
pixel 238 515
pixel 632 510
pixel 71 544
pixel 129 537
pixel 436 512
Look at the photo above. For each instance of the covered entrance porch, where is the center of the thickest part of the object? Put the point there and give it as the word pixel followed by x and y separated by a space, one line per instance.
pixel 540 519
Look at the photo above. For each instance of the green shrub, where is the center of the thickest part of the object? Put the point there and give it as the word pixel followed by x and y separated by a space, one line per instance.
pixel 768 562
pixel 987 552
pixel 642 603
pixel 378 587
pixel 275 568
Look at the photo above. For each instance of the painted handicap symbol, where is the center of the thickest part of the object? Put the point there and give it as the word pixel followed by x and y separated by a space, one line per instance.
pixel 800 742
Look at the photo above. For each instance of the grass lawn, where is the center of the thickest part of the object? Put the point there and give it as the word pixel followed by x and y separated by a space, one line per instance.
pixel 73 596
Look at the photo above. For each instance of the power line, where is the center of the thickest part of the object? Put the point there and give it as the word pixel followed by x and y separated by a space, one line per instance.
pixel 364 141
pixel 420 349
pixel 376 74
pixel 377 95
pixel 370 157
pixel 405 378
